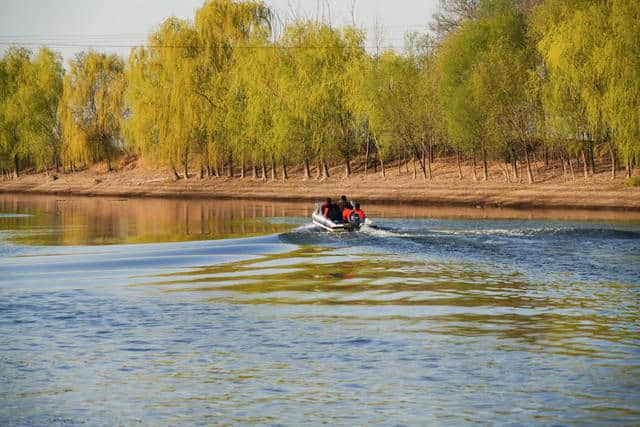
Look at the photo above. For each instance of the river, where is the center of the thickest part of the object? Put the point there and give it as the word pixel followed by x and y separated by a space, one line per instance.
pixel 164 312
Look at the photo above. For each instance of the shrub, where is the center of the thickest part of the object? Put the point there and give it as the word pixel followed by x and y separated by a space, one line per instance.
pixel 634 181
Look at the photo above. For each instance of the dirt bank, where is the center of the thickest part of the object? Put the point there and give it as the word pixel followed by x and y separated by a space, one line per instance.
pixel 551 190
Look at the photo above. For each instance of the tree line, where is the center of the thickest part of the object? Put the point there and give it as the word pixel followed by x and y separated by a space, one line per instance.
pixel 502 81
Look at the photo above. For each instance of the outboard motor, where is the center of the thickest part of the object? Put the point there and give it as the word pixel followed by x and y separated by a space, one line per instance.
pixel 354 219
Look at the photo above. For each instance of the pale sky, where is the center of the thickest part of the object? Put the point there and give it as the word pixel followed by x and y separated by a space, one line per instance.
pixel 70 26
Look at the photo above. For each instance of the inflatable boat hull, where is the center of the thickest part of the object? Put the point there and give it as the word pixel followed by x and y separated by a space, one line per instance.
pixel 335 226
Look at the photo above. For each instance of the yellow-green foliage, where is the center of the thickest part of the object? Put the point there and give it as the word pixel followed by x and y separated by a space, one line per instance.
pixel 91 108
pixel 634 181
pixel 30 89
pixel 592 51
pixel 184 76
pixel 508 77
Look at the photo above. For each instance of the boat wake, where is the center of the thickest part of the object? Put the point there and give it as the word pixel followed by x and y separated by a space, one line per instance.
pixel 579 251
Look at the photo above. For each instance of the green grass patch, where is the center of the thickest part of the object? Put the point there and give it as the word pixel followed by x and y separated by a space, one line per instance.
pixel 634 181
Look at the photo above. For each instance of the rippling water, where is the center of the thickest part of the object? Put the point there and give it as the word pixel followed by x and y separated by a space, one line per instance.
pixel 241 312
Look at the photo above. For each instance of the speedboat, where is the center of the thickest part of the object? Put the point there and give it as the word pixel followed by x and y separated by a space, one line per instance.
pixel 336 225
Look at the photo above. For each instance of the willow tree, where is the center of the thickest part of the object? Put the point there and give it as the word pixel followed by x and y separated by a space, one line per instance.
pixel 366 99
pixel 621 102
pixel 486 92
pixel 504 88
pixel 350 47
pixel 39 100
pixel 29 96
pixel 163 106
pixel 92 108
pixel 590 49
pixel 465 121
pixel 269 132
pixel 180 106
pixel 221 27
pixel 318 58
pixel 13 69
pixel 402 95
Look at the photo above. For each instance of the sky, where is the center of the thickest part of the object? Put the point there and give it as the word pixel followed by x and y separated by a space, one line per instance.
pixel 70 26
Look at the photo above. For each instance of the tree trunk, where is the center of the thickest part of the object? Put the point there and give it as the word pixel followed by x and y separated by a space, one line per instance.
pixel 57 163
pixel 592 161
pixel 243 169
pixel 16 164
pixel 382 171
pixel 459 166
pixel 230 164
pixel 584 163
pixel 430 160
pixel 366 157
pixel 285 175
pixel 573 171
pixel 399 166
pixel 405 161
pixel 536 164
pixel 255 170
pixel 529 171
pixel 274 171
pixel 186 169
pixel 201 172
pixel 628 171
pixel 415 169
pixel 175 172
pixel 564 167
pixel 318 169
pixel 505 172
pixel 613 161
pixel 421 158
pixel 307 169
pixel 514 164
pixel 485 168
pixel 475 176
pixel 424 162
pixel 264 169
pixel 325 169
pixel 347 168
pixel 109 164
pixel 546 158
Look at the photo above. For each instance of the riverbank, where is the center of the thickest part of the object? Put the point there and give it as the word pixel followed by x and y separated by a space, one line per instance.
pixel 551 189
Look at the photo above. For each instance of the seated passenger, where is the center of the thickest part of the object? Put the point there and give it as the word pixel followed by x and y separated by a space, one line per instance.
pixel 360 212
pixel 346 213
pixel 325 207
pixel 344 204
pixel 334 213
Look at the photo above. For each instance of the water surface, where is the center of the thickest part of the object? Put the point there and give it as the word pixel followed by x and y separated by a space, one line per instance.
pixel 167 312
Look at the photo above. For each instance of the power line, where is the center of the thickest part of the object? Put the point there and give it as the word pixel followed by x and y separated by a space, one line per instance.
pixel 122 46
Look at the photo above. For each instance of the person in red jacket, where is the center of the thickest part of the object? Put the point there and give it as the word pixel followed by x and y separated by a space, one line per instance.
pixel 360 212
pixel 325 207
pixel 346 213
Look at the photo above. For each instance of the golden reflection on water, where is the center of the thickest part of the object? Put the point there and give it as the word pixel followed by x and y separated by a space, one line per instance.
pixel 312 275
pixel 66 220
pixel 96 221
pixel 423 297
